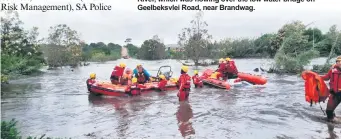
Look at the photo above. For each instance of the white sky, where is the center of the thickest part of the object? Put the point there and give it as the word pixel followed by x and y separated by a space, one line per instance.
pixel 124 20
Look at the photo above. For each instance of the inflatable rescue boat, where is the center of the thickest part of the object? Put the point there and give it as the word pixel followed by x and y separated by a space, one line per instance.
pixel 249 78
pixel 109 89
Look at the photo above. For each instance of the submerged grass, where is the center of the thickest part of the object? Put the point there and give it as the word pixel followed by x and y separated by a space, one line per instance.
pixel 10 131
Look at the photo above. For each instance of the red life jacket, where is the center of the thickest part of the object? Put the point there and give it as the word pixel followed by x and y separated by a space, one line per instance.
pixel 231 67
pixel 222 67
pixel 118 71
pixel 185 82
pixel 196 79
pixel 141 78
pixel 335 80
pixel 90 81
pixel 162 84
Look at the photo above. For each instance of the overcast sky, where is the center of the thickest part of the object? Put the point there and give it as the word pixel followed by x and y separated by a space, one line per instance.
pixel 124 20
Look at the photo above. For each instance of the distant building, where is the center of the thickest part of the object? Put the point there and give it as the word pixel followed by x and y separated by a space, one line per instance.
pixel 174 47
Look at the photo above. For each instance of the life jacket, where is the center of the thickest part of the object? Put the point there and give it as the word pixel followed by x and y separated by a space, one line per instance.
pixel 335 80
pixel 215 75
pixel 118 71
pixel 185 82
pixel 90 81
pixel 315 88
pixel 162 84
pixel 222 67
pixel 141 77
pixel 231 67
pixel 196 79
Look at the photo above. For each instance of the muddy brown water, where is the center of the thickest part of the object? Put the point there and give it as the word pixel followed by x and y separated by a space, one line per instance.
pixel 57 104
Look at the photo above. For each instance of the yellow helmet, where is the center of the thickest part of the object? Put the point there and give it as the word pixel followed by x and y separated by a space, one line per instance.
pixel 92 75
pixel 162 77
pixel 122 65
pixel 338 58
pixel 195 72
pixel 184 68
pixel 221 60
pixel 138 65
pixel 227 59
pixel 134 80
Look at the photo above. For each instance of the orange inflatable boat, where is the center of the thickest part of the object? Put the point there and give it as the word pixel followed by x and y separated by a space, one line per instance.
pixel 255 79
pixel 316 89
pixel 109 89
pixel 217 83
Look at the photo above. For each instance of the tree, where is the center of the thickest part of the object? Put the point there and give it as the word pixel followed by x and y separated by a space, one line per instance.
pixel 128 40
pixel 195 39
pixel 20 52
pixel 263 44
pixel 152 49
pixel 294 52
pixel 132 50
pixel 67 43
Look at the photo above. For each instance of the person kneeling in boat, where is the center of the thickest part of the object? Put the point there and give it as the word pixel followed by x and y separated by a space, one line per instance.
pixel 91 80
pixel 117 73
pixel 185 84
pixel 141 74
pixel 334 74
pixel 231 69
pixel 162 83
pixel 196 80
pixel 126 78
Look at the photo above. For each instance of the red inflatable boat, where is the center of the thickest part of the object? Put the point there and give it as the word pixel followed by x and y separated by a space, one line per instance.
pixel 109 89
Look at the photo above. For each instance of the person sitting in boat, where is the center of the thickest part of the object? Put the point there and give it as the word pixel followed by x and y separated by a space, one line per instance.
pixel 196 80
pixel 162 83
pixel 334 74
pixel 215 75
pixel 141 74
pixel 126 78
pixel 91 80
pixel 184 84
pixel 117 73
pixel 222 68
pixel 231 69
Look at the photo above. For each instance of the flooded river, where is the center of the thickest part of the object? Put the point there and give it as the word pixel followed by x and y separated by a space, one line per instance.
pixel 57 104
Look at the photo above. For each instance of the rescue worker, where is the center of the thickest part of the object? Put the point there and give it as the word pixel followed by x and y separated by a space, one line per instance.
pixel 91 80
pixel 196 80
pixel 134 88
pixel 184 84
pixel 141 74
pixel 334 74
pixel 231 69
pixel 162 83
pixel 117 73
pixel 126 78
pixel 222 68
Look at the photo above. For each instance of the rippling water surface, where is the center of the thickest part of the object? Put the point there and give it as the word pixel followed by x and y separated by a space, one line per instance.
pixel 57 104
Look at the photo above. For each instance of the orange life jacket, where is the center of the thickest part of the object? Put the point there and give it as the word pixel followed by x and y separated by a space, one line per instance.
pixel 315 88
